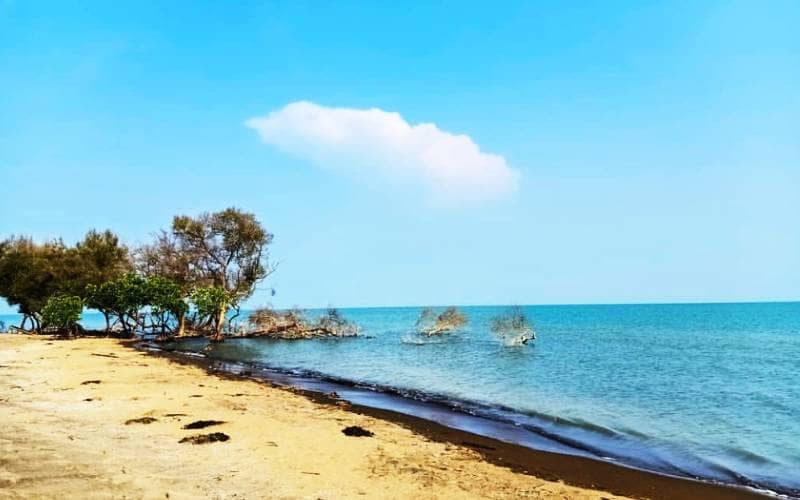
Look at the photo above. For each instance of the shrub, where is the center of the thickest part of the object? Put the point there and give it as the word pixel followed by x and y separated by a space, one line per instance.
pixel 62 312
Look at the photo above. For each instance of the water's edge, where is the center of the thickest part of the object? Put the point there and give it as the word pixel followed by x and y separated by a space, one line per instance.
pixel 465 416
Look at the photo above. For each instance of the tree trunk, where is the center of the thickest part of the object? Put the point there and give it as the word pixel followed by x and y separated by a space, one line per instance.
pixel 108 322
pixel 219 322
pixel 181 325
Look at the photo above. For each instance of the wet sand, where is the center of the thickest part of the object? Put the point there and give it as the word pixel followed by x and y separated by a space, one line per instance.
pixel 93 418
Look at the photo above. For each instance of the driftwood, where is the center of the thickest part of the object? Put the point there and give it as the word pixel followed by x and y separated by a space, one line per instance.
pixel 429 323
pixel 513 327
pixel 294 325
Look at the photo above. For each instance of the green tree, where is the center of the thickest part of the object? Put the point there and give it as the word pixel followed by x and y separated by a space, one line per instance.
pixel 30 273
pixel 165 258
pixel 62 312
pixel 100 257
pixel 166 302
pixel 226 250
pixel 211 303
pixel 121 299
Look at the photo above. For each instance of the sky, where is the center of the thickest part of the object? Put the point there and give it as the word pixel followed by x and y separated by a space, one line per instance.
pixel 416 153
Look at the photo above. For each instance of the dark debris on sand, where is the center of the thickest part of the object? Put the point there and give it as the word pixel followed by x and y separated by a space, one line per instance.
pixel 356 431
pixel 202 424
pixel 87 382
pixel 206 438
pixel 141 420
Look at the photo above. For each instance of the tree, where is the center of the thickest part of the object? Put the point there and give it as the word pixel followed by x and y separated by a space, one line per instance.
pixel 226 250
pixel 100 257
pixel 165 299
pixel 430 323
pixel 30 273
pixel 131 299
pixel 165 258
pixel 62 312
pixel 122 299
pixel 211 304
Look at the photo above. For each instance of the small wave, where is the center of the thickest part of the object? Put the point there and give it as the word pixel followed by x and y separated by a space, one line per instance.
pixel 748 456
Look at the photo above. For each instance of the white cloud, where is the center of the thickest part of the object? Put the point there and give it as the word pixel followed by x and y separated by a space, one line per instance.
pixel 373 142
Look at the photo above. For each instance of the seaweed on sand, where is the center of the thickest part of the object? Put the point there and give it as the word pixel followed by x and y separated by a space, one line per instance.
pixel 214 437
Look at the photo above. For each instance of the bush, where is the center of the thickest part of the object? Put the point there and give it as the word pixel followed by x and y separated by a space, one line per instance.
pixel 429 323
pixel 513 327
pixel 62 312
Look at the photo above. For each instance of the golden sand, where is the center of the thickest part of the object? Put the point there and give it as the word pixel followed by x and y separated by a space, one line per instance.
pixel 64 407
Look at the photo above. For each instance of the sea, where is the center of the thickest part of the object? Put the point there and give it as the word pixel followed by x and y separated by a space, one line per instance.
pixel 709 391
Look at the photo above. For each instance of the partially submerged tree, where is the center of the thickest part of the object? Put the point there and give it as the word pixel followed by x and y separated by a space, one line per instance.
pixel 513 327
pixel 211 304
pixel 226 250
pixel 62 313
pixel 430 323
pixel 294 324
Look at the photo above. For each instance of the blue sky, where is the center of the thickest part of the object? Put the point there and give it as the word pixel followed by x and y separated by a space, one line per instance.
pixel 654 146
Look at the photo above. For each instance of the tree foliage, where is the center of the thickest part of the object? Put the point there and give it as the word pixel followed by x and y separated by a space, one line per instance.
pixel 30 273
pixel 226 250
pixel 62 313
pixel 214 259
pixel 134 302
pixel 211 303
pixel 100 257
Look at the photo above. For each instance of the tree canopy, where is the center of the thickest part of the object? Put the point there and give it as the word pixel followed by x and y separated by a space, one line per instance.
pixel 212 261
pixel 225 250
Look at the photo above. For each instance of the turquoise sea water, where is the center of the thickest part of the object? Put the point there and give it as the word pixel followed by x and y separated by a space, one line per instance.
pixel 709 390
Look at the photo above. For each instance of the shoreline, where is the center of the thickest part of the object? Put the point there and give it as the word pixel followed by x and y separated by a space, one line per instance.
pixel 581 471
pixel 93 418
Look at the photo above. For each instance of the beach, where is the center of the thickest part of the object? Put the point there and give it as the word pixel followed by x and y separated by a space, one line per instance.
pixel 65 405
pixel 75 416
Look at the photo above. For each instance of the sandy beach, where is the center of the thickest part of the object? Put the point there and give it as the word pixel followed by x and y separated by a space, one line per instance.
pixel 93 418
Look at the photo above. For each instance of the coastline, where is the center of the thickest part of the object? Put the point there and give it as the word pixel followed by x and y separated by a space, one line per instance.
pixel 581 471
pixel 65 404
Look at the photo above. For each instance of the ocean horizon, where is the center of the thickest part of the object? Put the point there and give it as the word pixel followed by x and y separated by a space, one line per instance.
pixel 710 391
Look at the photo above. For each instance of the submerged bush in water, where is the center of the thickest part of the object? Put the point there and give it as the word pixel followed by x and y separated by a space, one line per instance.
pixel 513 327
pixel 430 323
